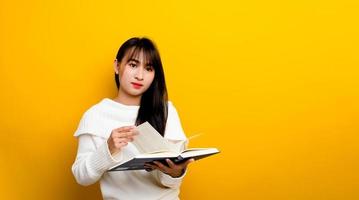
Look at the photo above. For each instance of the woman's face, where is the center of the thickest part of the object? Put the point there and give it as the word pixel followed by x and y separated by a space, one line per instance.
pixel 135 74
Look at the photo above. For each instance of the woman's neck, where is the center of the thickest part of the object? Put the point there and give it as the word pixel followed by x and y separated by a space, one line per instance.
pixel 126 99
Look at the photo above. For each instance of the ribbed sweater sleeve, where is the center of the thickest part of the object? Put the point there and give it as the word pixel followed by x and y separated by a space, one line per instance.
pixel 92 162
pixel 93 157
pixel 168 181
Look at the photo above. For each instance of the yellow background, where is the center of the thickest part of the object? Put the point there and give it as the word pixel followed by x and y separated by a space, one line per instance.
pixel 273 84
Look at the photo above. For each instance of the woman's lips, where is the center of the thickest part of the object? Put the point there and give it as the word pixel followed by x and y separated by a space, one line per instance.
pixel 136 85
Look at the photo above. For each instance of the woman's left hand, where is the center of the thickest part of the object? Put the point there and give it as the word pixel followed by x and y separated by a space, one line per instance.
pixel 174 170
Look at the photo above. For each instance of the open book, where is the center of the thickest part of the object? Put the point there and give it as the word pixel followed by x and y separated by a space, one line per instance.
pixel 153 147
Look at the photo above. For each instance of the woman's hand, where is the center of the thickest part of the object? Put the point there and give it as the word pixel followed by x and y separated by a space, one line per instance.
pixel 172 169
pixel 120 137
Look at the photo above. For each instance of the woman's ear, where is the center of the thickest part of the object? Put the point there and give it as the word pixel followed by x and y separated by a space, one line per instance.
pixel 116 66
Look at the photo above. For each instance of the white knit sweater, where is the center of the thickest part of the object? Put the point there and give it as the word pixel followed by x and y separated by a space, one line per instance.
pixel 93 156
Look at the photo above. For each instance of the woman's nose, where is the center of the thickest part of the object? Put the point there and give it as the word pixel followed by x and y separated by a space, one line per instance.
pixel 139 74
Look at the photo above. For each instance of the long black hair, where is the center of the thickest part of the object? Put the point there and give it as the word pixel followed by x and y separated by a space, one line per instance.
pixel 153 106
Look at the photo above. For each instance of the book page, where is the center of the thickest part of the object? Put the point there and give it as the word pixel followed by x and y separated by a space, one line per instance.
pixel 149 140
pixel 178 145
pixel 181 145
pixel 157 155
pixel 199 152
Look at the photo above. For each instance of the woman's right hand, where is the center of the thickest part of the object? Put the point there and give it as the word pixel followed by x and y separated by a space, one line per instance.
pixel 120 137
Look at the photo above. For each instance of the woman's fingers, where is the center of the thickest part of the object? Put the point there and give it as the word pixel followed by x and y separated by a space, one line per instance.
pixel 162 167
pixel 120 137
pixel 124 128
pixel 171 164
pixel 128 134
pixel 125 133
pixel 179 166
pixel 149 167
pixel 174 170
pixel 184 165
pixel 121 144
pixel 122 140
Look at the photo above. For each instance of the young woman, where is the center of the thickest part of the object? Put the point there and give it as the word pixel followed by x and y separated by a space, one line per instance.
pixel 106 129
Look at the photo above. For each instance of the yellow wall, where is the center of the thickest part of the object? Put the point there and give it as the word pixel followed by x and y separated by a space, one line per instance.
pixel 273 84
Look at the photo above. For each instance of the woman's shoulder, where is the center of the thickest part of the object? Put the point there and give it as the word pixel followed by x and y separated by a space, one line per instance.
pixel 99 107
pixel 174 128
pixel 94 113
pixel 170 105
pixel 171 109
pixel 93 110
pixel 90 120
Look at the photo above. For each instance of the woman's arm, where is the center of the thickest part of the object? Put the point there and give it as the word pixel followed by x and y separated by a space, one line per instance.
pixel 91 162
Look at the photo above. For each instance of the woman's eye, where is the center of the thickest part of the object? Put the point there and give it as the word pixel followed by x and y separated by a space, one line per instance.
pixel 132 65
pixel 150 69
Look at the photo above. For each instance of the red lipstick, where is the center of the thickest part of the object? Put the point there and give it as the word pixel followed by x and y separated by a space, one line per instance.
pixel 136 85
